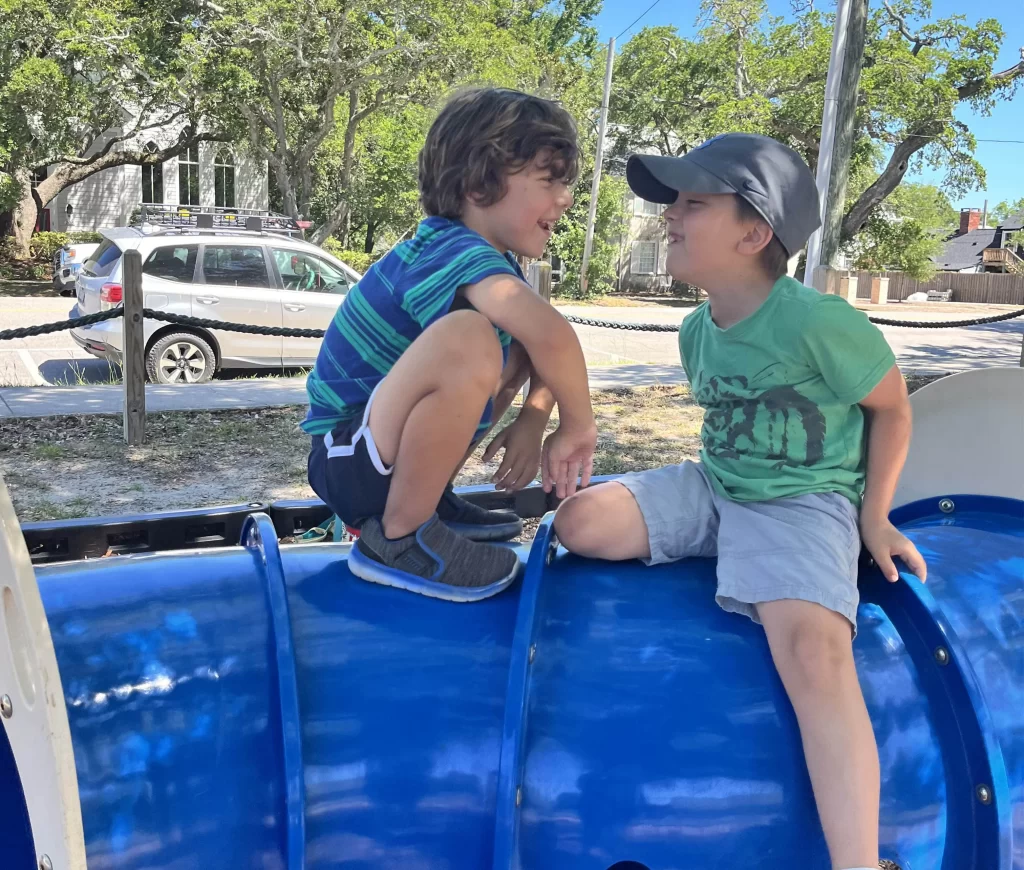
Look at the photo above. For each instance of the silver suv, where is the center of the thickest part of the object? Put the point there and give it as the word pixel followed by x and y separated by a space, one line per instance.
pixel 210 267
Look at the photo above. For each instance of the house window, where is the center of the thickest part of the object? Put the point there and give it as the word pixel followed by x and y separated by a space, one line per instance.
pixel 643 208
pixel 644 258
pixel 224 179
pixel 188 177
pixel 152 178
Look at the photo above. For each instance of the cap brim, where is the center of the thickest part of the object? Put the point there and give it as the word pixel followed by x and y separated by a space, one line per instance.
pixel 660 179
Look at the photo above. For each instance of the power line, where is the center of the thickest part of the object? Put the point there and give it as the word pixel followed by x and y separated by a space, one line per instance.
pixel 631 26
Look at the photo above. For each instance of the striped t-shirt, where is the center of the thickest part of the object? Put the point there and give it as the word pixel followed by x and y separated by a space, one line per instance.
pixel 395 301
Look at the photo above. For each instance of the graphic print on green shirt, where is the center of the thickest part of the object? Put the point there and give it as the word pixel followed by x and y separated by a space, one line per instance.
pixel 780 390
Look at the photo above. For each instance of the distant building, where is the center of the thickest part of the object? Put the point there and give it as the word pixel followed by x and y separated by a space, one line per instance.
pixel 209 174
pixel 974 248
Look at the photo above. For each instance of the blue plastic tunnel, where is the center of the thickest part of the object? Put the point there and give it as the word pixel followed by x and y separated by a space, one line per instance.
pixel 252 707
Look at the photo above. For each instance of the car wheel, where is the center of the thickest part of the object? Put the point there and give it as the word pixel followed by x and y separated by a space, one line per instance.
pixel 180 358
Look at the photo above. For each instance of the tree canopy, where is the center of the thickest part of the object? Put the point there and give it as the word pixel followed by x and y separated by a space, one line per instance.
pixel 336 97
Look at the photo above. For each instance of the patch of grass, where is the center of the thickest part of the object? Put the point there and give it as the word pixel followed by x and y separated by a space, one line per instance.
pixel 50 451
pixel 44 510
pixel 78 377
pixel 72 466
pixel 28 287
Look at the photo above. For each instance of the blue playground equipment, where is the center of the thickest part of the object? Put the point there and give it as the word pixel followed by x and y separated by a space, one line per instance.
pixel 256 706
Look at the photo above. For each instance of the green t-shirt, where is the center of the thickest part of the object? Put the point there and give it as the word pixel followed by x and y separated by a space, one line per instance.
pixel 781 390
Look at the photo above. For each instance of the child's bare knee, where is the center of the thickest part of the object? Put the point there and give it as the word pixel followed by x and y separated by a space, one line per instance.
pixel 473 351
pixel 574 523
pixel 815 660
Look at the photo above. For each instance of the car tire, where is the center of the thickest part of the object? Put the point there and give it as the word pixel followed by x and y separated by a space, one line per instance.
pixel 180 358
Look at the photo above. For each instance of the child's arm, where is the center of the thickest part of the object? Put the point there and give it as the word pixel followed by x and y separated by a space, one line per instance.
pixel 557 358
pixel 889 423
pixel 522 439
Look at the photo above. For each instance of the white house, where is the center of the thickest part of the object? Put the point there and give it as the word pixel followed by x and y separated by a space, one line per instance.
pixel 208 174
pixel 643 248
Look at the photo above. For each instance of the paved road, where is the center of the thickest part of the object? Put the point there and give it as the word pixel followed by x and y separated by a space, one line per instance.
pixel 925 351
pixel 56 360
pixel 235 395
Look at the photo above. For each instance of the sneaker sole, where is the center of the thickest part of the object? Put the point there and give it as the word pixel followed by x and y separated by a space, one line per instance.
pixel 496 532
pixel 373 572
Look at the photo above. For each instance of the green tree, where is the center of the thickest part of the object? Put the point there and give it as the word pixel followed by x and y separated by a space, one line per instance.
pixel 570 234
pixel 1006 209
pixel 920 72
pixel 540 47
pixel 383 192
pixel 81 84
pixel 307 70
pixel 907 232
pixel 745 71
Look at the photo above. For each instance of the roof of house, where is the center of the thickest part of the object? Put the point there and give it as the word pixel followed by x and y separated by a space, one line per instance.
pixel 964 251
pixel 1014 222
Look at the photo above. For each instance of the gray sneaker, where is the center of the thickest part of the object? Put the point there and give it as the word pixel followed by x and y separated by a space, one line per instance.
pixel 433 561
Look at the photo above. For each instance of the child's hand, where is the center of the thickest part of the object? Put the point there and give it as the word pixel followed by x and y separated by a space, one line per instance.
pixel 884 541
pixel 568 457
pixel 522 442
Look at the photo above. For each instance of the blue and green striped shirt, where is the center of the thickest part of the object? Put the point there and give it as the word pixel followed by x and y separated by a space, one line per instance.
pixel 394 302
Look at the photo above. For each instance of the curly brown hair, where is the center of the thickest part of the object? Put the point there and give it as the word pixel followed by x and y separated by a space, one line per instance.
pixel 483 135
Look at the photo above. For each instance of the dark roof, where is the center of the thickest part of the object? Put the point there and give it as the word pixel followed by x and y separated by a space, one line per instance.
pixel 1014 222
pixel 964 251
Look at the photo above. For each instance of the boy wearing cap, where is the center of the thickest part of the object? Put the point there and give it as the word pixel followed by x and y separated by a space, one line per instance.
pixel 806 428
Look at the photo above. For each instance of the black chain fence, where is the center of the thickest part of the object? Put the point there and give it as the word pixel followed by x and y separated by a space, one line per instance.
pixel 203 323
pixel 882 321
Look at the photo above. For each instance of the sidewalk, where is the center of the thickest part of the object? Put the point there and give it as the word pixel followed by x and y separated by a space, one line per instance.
pixel 264 393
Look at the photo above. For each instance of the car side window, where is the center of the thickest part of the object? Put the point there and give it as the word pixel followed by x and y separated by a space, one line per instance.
pixel 302 271
pixel 172 263
pixel 235 266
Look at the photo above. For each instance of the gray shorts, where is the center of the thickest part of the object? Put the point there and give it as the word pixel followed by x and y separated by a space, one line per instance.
pixel 804 547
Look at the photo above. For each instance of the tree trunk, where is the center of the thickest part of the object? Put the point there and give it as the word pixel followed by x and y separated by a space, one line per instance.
pixel 26 213
pixel 341 214
pixel 887 182
pixel 371 227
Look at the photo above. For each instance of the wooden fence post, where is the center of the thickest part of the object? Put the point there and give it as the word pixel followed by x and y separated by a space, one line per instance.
pixel 133 358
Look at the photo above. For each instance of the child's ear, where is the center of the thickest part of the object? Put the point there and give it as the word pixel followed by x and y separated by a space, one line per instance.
pixel 757 237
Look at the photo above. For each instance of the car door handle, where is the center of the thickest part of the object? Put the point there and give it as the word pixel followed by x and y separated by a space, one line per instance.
pixel 294 306
pixel 208 300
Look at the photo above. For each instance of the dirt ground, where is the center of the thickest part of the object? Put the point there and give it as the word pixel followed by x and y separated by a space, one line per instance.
pixel 65 467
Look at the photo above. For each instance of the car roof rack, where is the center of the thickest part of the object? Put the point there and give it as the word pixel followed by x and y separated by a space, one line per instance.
pixel 214 219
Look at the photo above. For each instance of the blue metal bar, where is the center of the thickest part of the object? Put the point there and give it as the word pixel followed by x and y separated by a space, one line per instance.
pixel 259 537
pixel 510 763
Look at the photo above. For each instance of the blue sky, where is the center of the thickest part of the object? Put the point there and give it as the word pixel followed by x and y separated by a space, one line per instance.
pixel 1004 163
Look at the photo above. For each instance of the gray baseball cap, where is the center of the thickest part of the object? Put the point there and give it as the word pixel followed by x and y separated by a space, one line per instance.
pixel 771 176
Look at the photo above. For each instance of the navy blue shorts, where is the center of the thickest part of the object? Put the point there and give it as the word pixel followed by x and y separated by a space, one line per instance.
pixel 346 472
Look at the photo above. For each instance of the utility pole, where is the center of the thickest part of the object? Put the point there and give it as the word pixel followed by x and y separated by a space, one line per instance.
pixel 837 130
pixel 588 244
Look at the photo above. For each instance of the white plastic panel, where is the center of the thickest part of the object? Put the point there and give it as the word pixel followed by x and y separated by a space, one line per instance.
pixel 968 437
pixel 38 725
